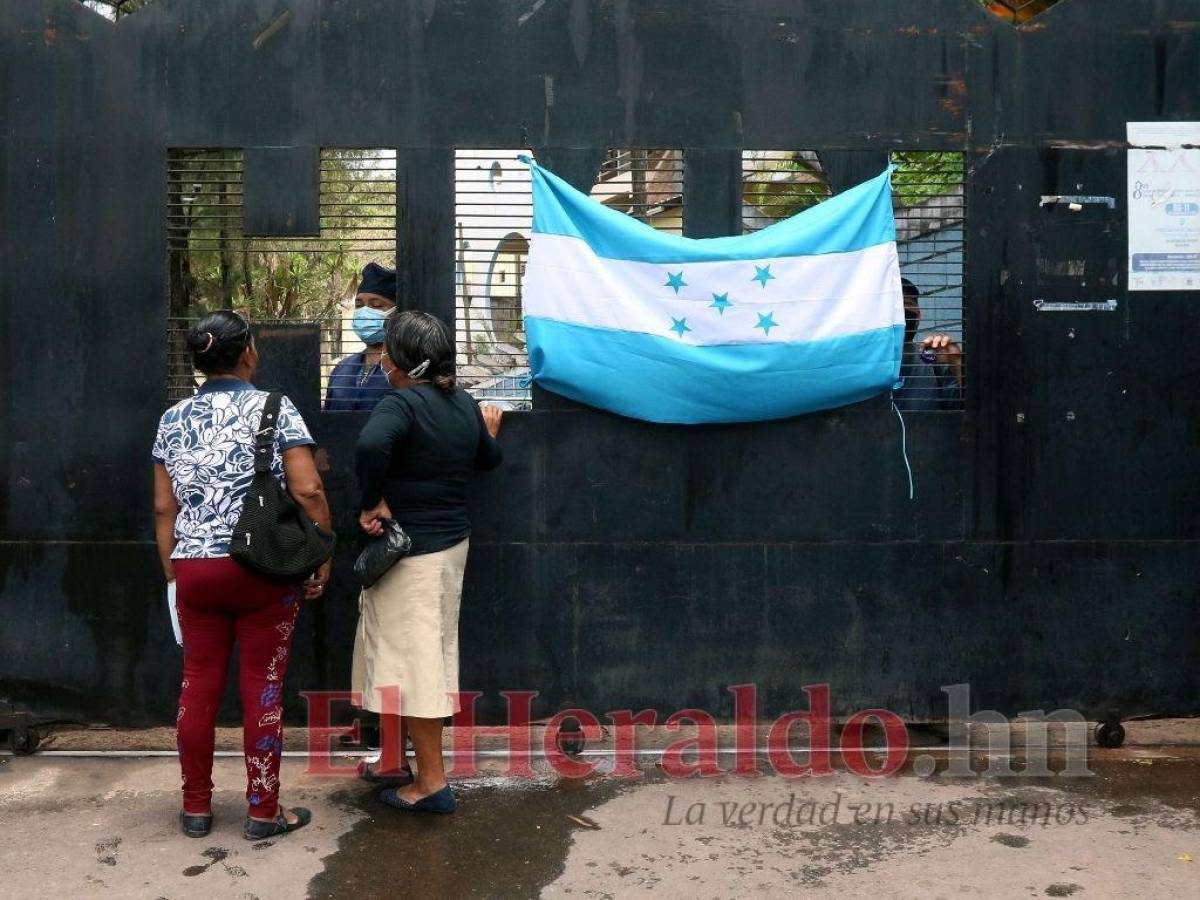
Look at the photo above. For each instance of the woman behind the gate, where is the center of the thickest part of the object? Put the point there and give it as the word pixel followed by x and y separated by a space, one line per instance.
pixel 203 465
pixel 415 459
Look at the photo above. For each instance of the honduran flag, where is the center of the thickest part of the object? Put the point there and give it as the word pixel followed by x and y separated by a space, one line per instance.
pixel 804 315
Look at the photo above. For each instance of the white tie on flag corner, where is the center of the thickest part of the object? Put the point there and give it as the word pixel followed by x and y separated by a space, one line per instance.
pixel 804 315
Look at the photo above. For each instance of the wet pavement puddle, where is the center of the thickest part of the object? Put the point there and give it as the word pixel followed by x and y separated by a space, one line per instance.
pixel 508 838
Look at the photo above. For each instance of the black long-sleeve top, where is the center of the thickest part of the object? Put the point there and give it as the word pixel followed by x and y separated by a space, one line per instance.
pixel 418 451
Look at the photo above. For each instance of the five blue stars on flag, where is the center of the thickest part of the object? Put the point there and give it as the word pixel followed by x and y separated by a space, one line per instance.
pixel 721 302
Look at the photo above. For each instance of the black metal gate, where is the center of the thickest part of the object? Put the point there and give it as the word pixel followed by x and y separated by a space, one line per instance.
pixel 1050 558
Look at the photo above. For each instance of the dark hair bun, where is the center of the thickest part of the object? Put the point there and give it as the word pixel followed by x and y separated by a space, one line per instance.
pixel 413 337
pixel 218 341
pixel 200 341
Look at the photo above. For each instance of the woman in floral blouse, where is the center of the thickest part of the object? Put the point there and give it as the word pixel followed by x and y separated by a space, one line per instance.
pixel 203 465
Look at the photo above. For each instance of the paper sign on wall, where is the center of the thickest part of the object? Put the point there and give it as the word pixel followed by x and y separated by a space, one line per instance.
pixel 1164 206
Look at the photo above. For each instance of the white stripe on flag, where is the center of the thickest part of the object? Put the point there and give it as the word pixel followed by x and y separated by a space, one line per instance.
pixel 806 297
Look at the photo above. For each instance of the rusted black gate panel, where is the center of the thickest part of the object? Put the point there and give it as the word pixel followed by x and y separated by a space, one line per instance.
pixel 1050 559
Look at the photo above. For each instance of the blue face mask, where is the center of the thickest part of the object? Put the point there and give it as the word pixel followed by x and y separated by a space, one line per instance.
pixel 368 324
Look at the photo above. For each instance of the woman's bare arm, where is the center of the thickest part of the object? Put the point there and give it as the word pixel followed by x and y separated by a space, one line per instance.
pixel 304 483
pixel 488 454
pixel 166 509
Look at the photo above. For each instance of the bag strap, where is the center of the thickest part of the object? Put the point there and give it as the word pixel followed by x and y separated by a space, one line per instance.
pixel 264 439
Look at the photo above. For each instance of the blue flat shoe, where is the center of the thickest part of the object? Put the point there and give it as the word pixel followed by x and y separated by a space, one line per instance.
pixel 439 802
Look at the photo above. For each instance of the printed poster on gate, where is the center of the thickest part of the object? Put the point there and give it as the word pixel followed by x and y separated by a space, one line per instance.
pixel 1164 206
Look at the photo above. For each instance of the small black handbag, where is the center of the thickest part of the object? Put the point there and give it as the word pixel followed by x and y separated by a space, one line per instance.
pixel 274 536
pixel 381 553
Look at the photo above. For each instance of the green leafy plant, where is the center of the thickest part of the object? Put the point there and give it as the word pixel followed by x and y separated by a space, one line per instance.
pixel 780 184
pixel 213 265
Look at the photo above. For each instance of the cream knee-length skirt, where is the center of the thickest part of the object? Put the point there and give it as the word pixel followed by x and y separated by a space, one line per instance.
pixel 408 636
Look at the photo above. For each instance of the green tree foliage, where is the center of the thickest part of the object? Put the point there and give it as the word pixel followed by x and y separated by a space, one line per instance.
pixel 924 174
pixel 213 265
pixel 779 184
pixel 782 183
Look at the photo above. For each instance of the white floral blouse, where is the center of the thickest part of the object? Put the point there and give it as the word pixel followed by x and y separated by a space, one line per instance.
pixel 206 443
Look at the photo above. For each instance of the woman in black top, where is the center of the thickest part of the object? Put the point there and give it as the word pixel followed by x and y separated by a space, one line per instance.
pixel 415 459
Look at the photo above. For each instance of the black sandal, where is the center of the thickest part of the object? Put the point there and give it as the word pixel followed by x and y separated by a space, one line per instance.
pixel 196 826
pixel 256 829
pixel 402 778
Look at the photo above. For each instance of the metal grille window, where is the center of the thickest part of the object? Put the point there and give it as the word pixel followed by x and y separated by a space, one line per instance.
pixel 928 199
pixel 493 216
pixel 290 287
pixel 780 183
pixel 645 184
pixel 928 195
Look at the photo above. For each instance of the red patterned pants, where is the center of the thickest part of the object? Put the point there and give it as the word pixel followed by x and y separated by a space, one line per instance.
pixel 220 601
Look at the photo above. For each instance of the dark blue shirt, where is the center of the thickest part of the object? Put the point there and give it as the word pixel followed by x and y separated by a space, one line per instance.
pixel 352 389
pixel 418 451
pixel 928 388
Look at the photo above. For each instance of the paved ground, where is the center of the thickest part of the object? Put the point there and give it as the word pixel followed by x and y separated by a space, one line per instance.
pixel 106 828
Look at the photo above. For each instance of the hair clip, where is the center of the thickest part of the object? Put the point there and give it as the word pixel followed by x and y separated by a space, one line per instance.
pixel 419 370
pixel 208 346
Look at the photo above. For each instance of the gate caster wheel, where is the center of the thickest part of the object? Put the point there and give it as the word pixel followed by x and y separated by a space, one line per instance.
pixel 1110 734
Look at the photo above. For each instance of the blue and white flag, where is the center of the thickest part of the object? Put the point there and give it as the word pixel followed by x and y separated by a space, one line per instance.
pixel 801 316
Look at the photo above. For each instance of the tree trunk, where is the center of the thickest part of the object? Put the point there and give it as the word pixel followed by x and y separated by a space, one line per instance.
pixel 226 267
pixel 247 275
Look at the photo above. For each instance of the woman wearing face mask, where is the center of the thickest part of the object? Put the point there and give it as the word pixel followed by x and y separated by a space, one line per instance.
pixel 358 382
pixel 415 460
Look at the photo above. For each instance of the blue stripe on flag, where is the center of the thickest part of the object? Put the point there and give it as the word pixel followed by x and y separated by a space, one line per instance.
pixel 853 220
pixel 663 380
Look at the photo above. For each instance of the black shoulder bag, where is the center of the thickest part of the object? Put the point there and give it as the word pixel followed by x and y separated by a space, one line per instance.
pixel 274 537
